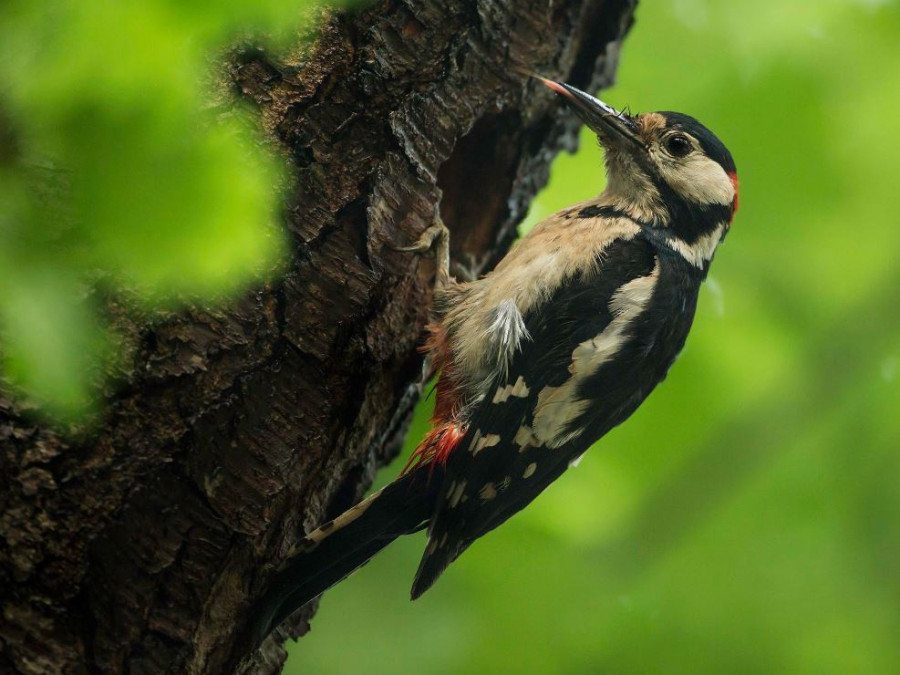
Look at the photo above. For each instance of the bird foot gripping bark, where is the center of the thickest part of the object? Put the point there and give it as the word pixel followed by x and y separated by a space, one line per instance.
pixel 435 239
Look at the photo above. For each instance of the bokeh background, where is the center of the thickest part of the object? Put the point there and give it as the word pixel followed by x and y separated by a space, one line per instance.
pixel 747 518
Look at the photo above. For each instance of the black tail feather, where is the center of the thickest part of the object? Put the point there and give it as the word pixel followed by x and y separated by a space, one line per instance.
pixel 345 544
pixel 435 561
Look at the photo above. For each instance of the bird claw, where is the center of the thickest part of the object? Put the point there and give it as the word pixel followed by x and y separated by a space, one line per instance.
pixel 435 239
pixel 428 241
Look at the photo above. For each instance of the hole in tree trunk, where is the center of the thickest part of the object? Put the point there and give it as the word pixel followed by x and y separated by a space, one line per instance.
pixel 477 179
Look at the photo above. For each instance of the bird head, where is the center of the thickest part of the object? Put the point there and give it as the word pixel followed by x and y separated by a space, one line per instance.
pixel 664 167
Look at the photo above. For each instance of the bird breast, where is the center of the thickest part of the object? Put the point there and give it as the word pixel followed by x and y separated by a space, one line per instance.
pixel 485 321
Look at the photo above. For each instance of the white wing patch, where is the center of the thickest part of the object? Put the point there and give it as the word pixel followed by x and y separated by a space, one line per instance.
pixel 524 438
pixel 558 407
pixel 480 442
pixel 488 492
pixel 517 390
pixel 455 493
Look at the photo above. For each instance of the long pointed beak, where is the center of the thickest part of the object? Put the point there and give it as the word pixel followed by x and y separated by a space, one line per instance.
pixel 606 121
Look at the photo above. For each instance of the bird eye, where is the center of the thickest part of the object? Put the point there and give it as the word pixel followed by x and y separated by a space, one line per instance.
pixel 678 145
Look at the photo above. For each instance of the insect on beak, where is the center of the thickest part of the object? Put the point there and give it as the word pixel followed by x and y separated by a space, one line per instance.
pixel 608 123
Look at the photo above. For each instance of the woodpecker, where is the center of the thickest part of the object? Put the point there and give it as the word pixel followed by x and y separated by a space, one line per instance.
pixel 541 357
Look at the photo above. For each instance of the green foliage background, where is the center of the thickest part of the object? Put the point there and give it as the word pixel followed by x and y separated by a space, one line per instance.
pixel 747 518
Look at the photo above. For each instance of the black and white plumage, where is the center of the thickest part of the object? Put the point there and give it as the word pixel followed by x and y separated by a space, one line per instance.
pixel 548 352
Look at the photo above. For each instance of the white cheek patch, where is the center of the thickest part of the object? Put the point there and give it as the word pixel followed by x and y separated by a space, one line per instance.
pixel 698 179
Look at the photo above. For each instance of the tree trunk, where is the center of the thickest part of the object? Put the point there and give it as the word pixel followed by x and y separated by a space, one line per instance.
pixel 139 546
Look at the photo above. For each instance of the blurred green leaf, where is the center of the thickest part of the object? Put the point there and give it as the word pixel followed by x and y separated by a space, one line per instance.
pixel 53 347
pixel 114 165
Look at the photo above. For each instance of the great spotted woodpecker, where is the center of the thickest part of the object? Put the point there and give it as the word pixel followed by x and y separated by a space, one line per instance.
pixel 561 342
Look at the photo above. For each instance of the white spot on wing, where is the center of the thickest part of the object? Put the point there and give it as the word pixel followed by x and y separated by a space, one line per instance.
pixel 488 492
pixel 480 442
pixel 519 390
pixel 454 496
pixel 476 439
pixel 524 438
pixel 529 470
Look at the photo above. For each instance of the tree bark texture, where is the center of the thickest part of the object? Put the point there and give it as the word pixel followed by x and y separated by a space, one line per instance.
pixel 139 546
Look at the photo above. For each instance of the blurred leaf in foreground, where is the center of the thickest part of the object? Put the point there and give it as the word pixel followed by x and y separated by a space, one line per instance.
pixel 114 166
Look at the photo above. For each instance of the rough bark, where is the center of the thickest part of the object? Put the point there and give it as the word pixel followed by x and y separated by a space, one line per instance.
pixel 139 546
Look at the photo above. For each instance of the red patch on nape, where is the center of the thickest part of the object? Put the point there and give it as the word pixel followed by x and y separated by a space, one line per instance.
pixel 436 447
pixel 734 204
